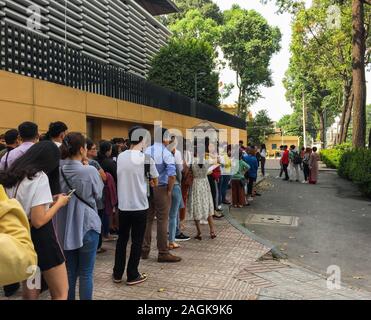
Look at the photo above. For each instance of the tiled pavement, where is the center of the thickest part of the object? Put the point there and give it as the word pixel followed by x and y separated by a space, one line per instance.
pixel 227 268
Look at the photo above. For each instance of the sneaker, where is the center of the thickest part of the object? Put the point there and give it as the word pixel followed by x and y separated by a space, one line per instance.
pixel 115 280
pixel 219 209
pixel 258 194
pixel 168 258
pixel 218 216
pixel 182 238
pixel 142 278
pixel 101 250
pixel 204 222
pixel 250 199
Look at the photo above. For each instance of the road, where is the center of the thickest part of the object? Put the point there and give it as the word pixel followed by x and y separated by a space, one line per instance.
pixel 334 224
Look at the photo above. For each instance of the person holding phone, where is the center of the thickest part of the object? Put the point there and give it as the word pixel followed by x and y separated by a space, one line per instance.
pixel 78 224
pixel 30 180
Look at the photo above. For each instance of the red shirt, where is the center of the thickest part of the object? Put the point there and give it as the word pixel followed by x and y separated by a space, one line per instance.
pixel 285 157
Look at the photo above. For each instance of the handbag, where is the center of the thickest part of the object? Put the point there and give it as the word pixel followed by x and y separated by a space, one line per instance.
pixel 188 177
pixel 76 194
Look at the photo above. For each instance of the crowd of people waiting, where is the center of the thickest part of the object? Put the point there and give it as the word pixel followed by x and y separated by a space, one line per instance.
pixel 76 195
pixel 292 162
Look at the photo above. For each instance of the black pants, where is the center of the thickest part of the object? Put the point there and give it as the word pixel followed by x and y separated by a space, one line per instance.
pixel 134 222
pixel 250 187
pixel 213 189
pixel 285 167
pixel 306 171
pixel 263 161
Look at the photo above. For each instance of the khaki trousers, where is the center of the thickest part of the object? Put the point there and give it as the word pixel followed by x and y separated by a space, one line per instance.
pixel 159 208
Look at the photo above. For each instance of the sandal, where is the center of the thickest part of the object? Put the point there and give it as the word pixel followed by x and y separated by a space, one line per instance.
pixel 212 235
pixel 174 246
pixel 199 237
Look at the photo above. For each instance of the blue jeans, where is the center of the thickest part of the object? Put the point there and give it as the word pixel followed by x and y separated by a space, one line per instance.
pixel 223 188
pixel 80 264
pixel 176 205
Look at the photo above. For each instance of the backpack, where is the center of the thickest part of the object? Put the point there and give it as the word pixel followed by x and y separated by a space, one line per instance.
pixel 147 173
pixel 297 158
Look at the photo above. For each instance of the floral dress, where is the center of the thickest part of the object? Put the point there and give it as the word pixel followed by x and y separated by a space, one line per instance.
pixel 201 205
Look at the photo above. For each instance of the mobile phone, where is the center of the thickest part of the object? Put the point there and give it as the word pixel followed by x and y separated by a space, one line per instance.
pixel 71 192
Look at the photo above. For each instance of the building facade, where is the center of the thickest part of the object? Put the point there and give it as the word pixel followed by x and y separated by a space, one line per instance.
pixel 275 141
pixel 112 31
pixel 85 64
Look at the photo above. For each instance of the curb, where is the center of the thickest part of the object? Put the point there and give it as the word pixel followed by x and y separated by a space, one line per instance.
pixel 277 254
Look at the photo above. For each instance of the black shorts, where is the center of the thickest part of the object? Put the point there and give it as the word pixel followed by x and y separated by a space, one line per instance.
pixel 49 252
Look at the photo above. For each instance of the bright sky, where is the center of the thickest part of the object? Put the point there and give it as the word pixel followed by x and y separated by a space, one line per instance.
pixel 274 98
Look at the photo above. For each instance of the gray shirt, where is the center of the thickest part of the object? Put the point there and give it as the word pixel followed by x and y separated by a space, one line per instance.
pixel 77 218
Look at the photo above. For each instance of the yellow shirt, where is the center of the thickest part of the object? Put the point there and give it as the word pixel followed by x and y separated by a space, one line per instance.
pixel 17 253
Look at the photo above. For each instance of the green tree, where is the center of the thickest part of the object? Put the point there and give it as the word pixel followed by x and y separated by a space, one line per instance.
pixel 248 43
pixel 195 26
pixel 260 128
pixel 207 8
pixel 360 15
pixel 320 66
pixel 177 64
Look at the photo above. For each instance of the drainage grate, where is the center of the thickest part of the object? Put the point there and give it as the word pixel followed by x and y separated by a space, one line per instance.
pixel 272 220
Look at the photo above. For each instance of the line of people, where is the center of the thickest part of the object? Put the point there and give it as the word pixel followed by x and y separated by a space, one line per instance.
pixel 76 196
pixel 292 162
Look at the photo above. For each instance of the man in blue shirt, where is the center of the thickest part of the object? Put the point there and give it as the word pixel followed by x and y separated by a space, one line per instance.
pixel 252 161
pixel 161 200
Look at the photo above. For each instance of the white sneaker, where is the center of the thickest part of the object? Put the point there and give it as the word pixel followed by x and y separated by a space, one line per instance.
pixel 305 182
pixel 278 177
pixel 204 222
pixel 250 199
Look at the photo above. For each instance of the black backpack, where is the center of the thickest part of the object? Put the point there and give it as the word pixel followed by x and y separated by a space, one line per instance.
pixel 147 173
pixel 297 158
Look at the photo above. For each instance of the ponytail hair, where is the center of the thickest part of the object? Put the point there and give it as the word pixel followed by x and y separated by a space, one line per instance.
pixel 72 144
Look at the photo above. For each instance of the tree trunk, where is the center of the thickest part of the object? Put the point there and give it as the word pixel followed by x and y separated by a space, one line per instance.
pixel 322 129
pixel 359 76
pixel 348 118
pixel 347 89
pixel 369 139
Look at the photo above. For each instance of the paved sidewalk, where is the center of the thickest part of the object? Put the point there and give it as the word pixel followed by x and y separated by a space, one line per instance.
pixel 229 268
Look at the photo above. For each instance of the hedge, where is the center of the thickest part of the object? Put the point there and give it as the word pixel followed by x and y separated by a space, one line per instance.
pixel 332 157
pixel 355 165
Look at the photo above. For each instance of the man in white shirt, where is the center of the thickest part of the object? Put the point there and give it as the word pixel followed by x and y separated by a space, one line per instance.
pixel 132 187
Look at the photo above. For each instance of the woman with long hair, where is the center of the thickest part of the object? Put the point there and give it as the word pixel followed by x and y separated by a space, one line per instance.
pixel 314 166
pixel 32 180
pixel 110 219
pixel 78 223
pixel 201 203
pixel 105 159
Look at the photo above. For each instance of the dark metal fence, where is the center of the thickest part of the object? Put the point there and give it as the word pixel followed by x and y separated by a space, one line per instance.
pixel 32 54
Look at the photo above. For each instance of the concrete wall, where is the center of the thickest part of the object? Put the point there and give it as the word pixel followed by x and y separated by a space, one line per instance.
pixel 27 99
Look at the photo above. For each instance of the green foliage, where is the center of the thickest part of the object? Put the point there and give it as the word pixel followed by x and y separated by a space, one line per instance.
pixel 332 157
pixel 207 8
pixel 291 125
pixel 355 165
pixel 248 43
pixel 260 128
pixel 195 26
pixel 177 64
pixel 352 164
pixel 320 65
